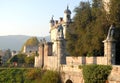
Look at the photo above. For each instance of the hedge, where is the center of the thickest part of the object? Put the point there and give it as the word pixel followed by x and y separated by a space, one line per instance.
pixel 96 73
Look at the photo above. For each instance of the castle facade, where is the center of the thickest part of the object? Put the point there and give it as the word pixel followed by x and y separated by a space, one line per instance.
pixel 53 55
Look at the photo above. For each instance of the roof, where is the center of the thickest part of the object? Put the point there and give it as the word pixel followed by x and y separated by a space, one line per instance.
pixel 67 10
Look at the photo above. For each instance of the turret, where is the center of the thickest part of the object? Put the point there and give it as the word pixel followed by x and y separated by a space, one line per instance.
pixel 67 15
pixel 52 23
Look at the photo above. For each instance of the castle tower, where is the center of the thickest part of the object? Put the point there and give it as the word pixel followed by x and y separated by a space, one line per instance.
pixel 67 15
pixel 67 20
pixel 54 24
pixel 110 46
pixel 51 24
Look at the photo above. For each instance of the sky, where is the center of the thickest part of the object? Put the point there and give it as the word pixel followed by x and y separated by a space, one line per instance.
pixel 31 17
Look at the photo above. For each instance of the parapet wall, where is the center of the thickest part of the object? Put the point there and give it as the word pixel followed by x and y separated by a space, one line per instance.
pixel 86 60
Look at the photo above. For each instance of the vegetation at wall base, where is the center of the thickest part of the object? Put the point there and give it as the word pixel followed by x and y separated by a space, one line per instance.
pixel 28 75
pixel 96 73
pixel 51 77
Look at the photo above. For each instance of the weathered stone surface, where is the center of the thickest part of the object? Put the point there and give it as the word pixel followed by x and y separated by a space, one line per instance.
pixel 115 75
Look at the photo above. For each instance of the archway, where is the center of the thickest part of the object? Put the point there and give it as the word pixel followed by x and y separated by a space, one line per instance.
pixel 68 81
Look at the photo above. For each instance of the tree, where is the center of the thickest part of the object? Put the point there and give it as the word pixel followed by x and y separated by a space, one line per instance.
pixel 33 41
pixel 30 60
pixel 114 17
pixel 88 30
pixel 20 58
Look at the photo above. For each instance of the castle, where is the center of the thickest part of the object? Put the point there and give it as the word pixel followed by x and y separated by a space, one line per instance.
pixel 55 51
pixel 53 55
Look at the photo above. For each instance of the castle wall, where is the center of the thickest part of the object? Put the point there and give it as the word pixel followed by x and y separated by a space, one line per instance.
pixel 74 74
pixel 37 61
pixel 53 34
pixel 52 62
pixel 86 60
pixel 114 77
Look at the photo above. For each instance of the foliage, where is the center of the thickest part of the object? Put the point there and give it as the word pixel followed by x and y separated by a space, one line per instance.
pixel 90 27
pixel 34 75
pixel 33 41
pixel 22 59
pixel 88 30
pixel 30 60
pixel 96 73
pixel 51 77
pixel 114 17
pixel 20 75
pixel 11 75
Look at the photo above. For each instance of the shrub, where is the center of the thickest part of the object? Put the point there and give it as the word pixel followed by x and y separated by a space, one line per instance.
pixel 96 73
pixel 51 77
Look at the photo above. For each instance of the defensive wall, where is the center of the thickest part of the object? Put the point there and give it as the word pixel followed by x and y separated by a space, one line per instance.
pixel 74 74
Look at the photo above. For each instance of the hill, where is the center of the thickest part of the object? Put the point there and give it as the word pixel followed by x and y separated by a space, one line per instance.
pixel 15 42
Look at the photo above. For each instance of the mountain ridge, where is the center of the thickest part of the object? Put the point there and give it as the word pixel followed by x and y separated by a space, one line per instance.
pixel 15 42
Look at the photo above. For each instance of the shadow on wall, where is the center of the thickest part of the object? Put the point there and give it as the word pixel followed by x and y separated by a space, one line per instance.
pixel 84 60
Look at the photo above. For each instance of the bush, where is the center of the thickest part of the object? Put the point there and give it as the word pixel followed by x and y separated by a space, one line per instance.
pixel 51 77
pixel 96 73
pixel 31 75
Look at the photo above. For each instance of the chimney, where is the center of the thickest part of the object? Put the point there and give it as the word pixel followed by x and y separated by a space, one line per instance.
pixel 56 22
pixel 61 19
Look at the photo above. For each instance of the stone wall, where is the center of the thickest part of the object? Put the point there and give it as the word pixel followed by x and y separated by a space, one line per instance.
pixel 52 63
pixel 71 73
pixel 74 74
pixel 86 60
pixel 114 77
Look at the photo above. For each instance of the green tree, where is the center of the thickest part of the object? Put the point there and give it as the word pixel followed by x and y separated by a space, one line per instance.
pixel 88 30
pixel 30 60
pixel 33 41
pixel 20 58
pixel 114 17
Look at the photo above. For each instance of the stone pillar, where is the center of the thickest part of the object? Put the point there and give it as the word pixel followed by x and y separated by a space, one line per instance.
pixel 47 52
pixel 110 50
pixel 61 55
pixel 110 46
pixel 41 54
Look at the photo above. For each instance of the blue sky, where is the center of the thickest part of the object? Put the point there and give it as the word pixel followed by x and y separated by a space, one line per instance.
pixel 31 17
